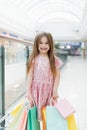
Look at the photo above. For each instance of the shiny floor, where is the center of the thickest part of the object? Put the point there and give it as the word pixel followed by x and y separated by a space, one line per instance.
pixel 73 86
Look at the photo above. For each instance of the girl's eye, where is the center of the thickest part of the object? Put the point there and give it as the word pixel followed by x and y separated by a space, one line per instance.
pixel 41 43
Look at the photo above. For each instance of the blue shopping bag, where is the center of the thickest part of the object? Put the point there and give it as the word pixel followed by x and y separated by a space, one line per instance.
pixel 54 121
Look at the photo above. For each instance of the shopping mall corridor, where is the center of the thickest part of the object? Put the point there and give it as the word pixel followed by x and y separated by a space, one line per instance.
pixel 73 86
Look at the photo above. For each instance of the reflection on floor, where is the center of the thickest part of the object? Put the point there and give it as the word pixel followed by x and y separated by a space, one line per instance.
pixel 73 84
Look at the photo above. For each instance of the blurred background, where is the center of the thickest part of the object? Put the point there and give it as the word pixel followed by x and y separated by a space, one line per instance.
pixel 20 21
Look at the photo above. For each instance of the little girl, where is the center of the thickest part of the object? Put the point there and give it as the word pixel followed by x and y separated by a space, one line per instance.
pixel 43 72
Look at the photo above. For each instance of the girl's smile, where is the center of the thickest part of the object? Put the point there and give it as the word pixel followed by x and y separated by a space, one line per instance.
pixel 43 48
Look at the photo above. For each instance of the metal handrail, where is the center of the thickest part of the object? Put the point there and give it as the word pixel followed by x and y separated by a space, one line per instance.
pixel 30 43
pixel 4 117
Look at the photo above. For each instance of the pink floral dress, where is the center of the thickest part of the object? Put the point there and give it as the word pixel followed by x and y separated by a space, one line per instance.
pixel 42 83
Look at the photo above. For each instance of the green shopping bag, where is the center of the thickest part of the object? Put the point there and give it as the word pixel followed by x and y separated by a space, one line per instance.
pixel 54 121
pixel 33 123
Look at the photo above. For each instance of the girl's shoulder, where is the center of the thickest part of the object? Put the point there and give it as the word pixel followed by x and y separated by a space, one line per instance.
pixel 34 59
pixel 58 62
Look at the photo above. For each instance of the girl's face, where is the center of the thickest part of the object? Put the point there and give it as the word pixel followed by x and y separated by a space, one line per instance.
pixel 43 46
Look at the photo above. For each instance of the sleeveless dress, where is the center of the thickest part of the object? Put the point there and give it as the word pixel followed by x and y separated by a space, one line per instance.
pixel 42 83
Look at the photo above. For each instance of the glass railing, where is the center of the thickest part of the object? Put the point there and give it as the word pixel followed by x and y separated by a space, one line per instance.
pixel 14 73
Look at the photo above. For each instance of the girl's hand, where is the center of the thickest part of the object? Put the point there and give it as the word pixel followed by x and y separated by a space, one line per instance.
pixel 53 101
pixel 31 101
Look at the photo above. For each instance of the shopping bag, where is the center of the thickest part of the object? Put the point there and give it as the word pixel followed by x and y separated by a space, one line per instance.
pixel 65 108
pixel 14 112
pixel 44 118
pixel 23 120
pixel 71 123
pixel 33 123
pixel 54 120
pixel 16 119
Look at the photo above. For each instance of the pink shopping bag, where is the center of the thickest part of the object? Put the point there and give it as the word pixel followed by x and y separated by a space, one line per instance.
pixel 65 108
pixel 23 121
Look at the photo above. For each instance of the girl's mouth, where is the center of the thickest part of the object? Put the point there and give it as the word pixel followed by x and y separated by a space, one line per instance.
pixel 43 48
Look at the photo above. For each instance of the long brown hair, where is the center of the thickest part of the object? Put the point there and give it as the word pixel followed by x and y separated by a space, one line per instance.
pixel 35 52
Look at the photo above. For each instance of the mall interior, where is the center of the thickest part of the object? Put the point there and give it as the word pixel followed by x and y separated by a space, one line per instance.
pixel 20 22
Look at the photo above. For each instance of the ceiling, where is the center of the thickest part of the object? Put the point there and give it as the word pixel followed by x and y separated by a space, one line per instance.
pixel 65 19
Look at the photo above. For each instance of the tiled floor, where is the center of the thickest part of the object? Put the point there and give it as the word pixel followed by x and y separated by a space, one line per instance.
pixel 73 86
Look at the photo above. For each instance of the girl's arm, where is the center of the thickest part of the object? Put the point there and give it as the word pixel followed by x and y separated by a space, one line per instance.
pixel 56 84
pixel 30 77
